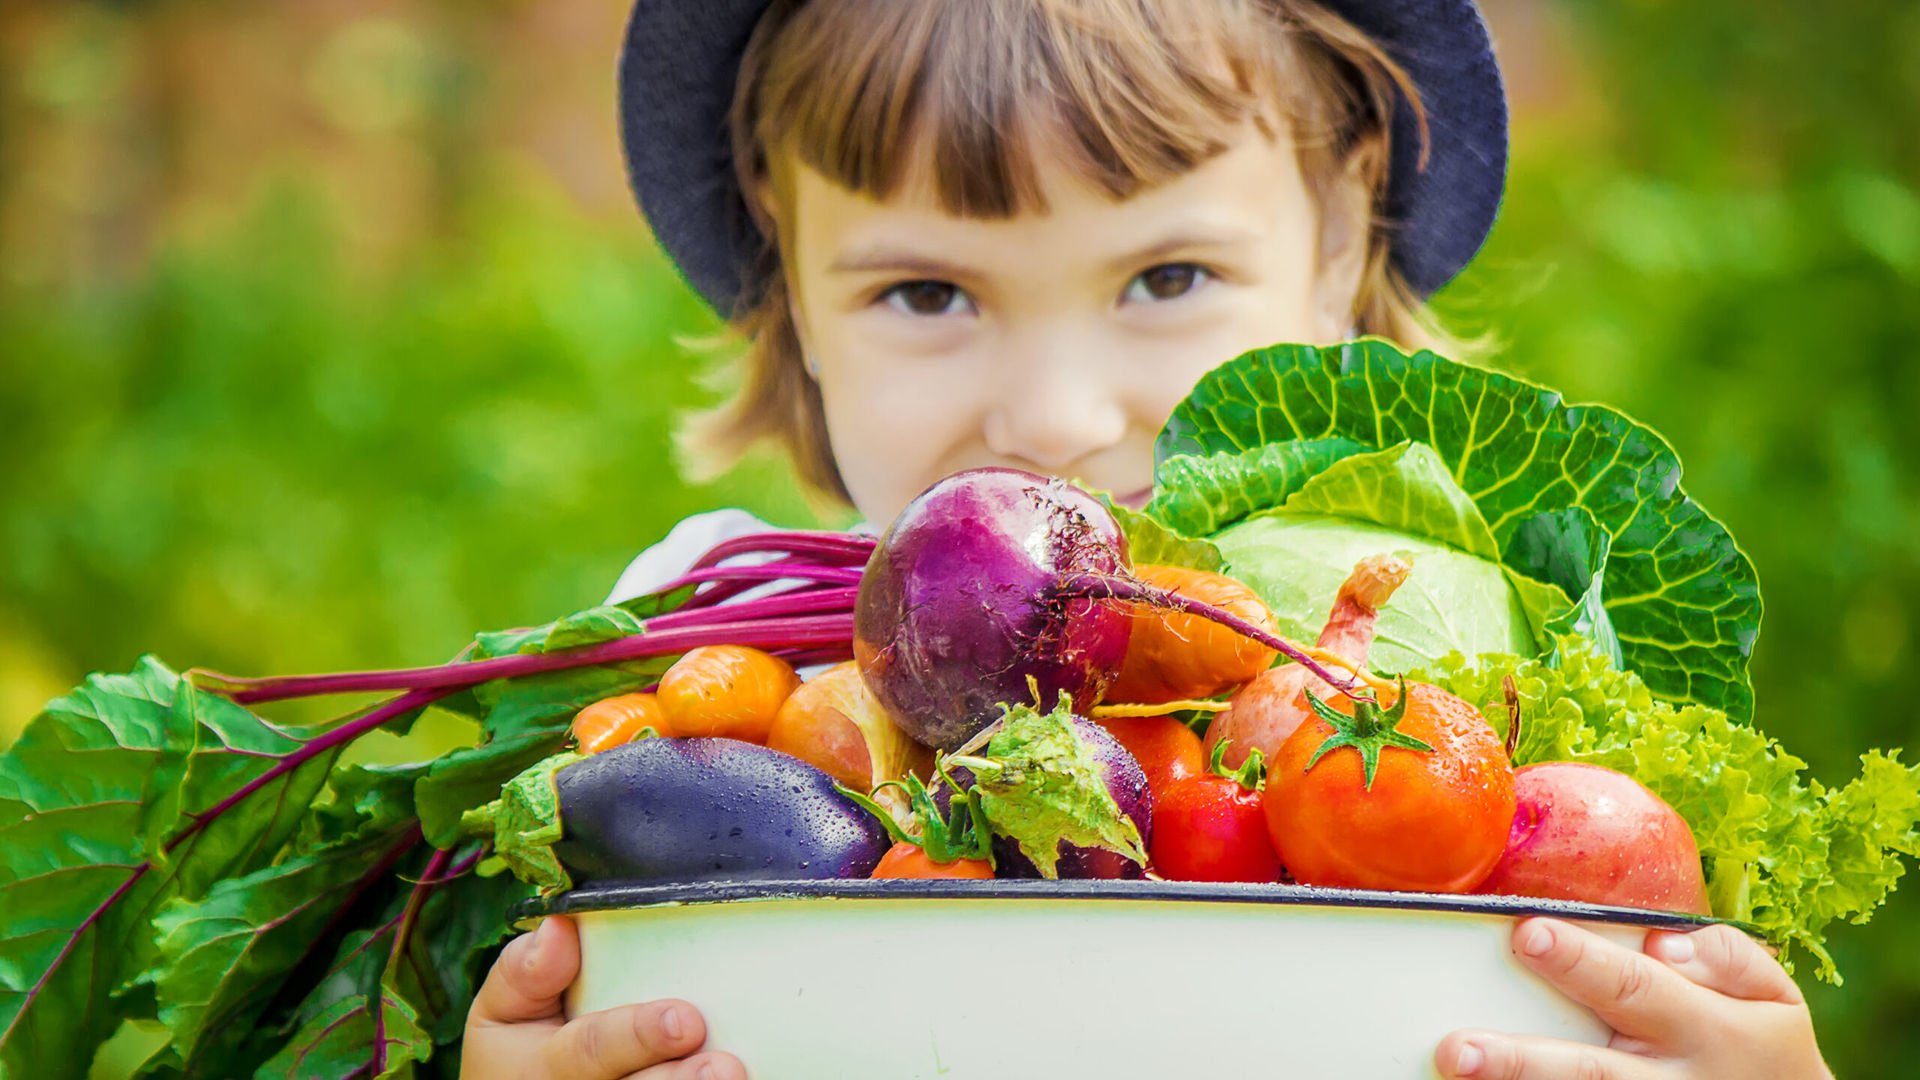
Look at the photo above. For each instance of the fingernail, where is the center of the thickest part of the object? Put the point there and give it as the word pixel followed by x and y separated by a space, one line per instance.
pixel 1676 948
pixel 708 1072
pixel 1470 1059
pixel 674 1025
pixel 538 942
pixel 1536 940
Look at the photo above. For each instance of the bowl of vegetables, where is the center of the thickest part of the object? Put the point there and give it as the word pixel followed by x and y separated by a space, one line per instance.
pixel 1123 979
pixel 1080 864
pixel 1031 784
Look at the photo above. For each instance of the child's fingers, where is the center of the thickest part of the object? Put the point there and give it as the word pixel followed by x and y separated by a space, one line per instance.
pixel 1725 960
pixel 1484 1055
pixel 527 980
pixel 1628 991
pixel 615 1043
pixel 717 1066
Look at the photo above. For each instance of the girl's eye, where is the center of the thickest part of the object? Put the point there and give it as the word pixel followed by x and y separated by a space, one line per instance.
pixel 1169 281
pixel 928 298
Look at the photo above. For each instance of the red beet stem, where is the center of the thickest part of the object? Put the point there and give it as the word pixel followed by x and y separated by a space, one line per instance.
pixel 796 631
pixel 807 657
pixel 843 549
pixel 20 1012
pixel 381 714
pixel 1138 592
pixel 409 917
pixel 762 573
pixel 810 601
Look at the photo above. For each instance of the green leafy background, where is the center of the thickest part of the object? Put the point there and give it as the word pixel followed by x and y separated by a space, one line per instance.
pixel 327 338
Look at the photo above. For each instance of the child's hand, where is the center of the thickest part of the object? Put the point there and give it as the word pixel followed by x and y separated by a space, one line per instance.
pixel 515 1030
pixel 1706 1004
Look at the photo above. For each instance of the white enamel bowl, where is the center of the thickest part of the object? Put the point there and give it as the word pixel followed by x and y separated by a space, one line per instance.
pixel 964 980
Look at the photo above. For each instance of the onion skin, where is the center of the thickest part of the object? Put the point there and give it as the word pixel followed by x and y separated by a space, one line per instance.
pixel 963 603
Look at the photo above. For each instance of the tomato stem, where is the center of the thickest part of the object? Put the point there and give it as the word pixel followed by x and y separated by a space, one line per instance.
pixel 1368 730
pixel 960 834
pixel 1252 773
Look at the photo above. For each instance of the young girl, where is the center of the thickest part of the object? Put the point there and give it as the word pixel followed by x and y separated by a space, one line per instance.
pixel 958 233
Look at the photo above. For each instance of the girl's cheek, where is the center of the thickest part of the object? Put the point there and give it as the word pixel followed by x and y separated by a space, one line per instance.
pixel 891 423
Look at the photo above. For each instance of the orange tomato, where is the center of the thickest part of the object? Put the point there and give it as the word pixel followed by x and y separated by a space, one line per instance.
pixel 904 860
pixel 1431 820
pixel 726 691
pixel 611 721
pixel 1175 657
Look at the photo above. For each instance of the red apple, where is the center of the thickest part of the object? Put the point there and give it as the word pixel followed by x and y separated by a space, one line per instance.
pixel 1584 832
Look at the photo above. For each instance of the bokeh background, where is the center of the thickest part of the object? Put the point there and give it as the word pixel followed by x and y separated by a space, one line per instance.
pixel 328 336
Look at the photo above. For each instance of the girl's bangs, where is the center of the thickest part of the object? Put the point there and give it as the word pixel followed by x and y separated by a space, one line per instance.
pixel 1131 92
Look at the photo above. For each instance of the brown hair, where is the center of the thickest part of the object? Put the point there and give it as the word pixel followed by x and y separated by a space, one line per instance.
pixel 1142 90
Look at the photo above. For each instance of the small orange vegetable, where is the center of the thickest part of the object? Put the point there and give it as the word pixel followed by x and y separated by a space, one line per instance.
pixel 609 722
pixel 728 691
pixel 1172 656
pixel 905 860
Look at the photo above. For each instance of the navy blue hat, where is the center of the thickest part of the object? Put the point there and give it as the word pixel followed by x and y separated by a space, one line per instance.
pixel 681 60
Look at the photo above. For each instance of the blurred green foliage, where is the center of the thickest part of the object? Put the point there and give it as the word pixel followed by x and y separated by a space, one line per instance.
pixel 250 459
pixel 253 445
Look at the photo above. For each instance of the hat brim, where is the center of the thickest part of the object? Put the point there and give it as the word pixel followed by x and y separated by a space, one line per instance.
pixel 681 61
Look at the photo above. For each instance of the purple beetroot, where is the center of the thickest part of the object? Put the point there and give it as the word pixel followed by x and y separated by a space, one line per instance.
pixel 966 606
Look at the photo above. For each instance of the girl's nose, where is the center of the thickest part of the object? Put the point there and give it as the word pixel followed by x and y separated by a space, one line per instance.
pixel 1051 414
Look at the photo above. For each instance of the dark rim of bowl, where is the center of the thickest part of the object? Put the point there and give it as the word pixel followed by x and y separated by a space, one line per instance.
pixel 613 896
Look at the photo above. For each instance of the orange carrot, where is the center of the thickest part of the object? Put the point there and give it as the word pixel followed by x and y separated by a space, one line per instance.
pixel 1173 656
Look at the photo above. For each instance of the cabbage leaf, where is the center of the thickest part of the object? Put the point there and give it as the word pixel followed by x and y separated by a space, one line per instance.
pixel 1579 497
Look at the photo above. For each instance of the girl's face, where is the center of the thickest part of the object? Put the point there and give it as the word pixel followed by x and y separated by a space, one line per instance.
pixel 1056 342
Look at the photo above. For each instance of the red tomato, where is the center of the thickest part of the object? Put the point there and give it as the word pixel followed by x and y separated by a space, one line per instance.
pixel 904 860
pixel 1212 828
pixel 1433 820
pixel 1168 751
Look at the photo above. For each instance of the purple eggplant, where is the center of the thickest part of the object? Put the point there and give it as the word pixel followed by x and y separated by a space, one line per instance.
pixel 709 810
pixel 1125 781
